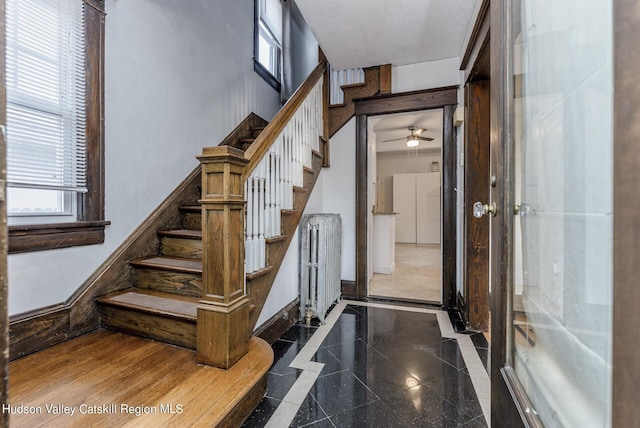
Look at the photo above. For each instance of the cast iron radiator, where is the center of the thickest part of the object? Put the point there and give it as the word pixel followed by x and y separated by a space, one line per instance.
pixel 320 256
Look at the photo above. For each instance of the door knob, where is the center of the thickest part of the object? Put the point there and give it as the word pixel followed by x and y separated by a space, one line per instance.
pixel 480 209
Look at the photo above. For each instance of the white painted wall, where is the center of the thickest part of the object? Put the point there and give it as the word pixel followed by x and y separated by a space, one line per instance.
pixel 179 76
pixel 285 288
pixel 425 75
pixel 304 46
pixel 339 193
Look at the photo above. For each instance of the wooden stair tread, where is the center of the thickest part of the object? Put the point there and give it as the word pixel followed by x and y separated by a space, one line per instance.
pixel 337 105
pixel 353 85
pixel 181 233
pixel 288 212
pixel 191 208
pixel 247 140
pixel 275 239
pixel 177 264
pixel 154 302
pixel 258 273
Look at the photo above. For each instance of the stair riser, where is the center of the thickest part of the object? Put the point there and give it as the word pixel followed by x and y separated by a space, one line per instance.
pixel 274 248
pixel 192 221
pixel 168 330
pixel 183 284
pixel 180 247
pixel 308 178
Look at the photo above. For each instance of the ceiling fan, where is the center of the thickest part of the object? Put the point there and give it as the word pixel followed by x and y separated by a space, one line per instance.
pixel 414 138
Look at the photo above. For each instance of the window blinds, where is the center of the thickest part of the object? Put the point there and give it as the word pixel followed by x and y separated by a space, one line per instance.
pixel 46 141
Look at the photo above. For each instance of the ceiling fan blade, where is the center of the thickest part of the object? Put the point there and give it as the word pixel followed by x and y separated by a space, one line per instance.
pixel 419 131
pixel 395 139
pixel 395 128
pixel 424 138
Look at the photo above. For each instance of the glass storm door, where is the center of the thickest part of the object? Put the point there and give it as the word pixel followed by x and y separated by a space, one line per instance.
pixel 556 218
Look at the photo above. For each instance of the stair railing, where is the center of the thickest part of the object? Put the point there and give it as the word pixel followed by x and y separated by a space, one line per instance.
pixel 243 196
pixel 269 188
pixel 340 78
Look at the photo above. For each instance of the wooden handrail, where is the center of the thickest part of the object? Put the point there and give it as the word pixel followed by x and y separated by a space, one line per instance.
pixel 267 137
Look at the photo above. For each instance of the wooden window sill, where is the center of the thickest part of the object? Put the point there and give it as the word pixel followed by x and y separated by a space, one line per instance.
pixel 39 237
pixel 266 75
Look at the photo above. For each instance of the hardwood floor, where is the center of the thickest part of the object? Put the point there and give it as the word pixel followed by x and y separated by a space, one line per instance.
pixel 112 379
pixel 418 275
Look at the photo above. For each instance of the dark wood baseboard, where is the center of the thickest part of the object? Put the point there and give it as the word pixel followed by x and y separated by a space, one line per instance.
pixel 272 329
pixel 349 290
pixel 37 330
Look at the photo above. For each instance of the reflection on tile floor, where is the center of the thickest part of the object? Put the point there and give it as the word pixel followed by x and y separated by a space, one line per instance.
pixel 418 274
pixel 383 367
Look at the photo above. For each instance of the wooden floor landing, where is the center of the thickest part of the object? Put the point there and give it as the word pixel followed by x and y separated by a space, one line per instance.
pixel 134 382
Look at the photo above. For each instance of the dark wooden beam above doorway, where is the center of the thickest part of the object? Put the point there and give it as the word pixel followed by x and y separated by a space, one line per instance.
pixel 446 98
pixel 407 101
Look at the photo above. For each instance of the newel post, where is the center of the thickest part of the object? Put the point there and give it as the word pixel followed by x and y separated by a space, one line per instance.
pixel 222 335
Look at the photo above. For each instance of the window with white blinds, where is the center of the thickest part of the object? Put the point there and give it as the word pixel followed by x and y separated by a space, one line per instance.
pixel 46 141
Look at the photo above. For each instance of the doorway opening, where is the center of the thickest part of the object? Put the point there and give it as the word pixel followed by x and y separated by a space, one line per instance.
pixel 405 192
pixel 445 98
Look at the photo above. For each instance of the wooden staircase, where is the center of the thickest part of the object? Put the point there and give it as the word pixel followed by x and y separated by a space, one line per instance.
pixel 213 307
pixel 167 290
pixel 166 287
pixel 162 305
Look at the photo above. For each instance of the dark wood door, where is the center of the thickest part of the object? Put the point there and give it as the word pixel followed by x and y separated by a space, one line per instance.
pixel 505 405
pixel 476 188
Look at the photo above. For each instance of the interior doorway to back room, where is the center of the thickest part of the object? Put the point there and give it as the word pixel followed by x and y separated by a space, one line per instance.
pixel 405 192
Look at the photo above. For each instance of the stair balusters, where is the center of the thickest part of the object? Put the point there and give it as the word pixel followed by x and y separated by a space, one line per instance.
pixel 343 77
pixel 269 188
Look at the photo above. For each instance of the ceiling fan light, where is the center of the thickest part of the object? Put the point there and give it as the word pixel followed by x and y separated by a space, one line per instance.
pixel 412 141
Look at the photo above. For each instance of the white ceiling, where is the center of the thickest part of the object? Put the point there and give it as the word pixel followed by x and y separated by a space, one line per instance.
pixel 392 126
pixel 363 33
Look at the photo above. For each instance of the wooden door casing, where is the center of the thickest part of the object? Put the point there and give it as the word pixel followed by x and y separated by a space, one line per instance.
pixel 476 185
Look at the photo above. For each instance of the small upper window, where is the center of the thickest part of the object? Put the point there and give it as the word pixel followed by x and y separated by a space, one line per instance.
pixel 268 41
pixel 46 147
